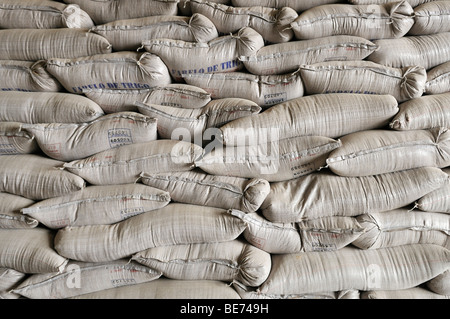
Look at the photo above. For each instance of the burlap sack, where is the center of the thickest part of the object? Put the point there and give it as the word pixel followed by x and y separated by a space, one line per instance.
pixel 313 115
pixel 264 90
pixel 97 205
pixel 47 107
pixel 24 76
pixel 118 70
pixel 42 44
pixel 198 188
pixel 69 142
pixel 174 224
pixel 383 151
pixel 128 34
pixel 225 261
pixel 364 77
pixel 123 165
pixel 326 194
pixel 384 21
pixel 46 14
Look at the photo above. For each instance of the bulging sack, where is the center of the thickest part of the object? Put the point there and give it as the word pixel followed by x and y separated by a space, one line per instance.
pixel 41 44
pixel 354 268
pixel 440 284
pixel 198 188
pixel 80 278
pixel 364 77
pixel 36 177
pixel 24 76
pixel 174 224
pixel 14 141
pixel 313 115
pixel 273 161
pixel 225 261
pixel 322 234
pixel 263 90
pixel 438 200
pixel 326 194
pixel 414 3
pixel 438 79
pixel 383 21
pixel 424 112
pixel 430 18
pixel 218 55
pixel 427 51
pixel 30 251
pixel 271 23
pixel 403 227
pixel 118 70
pixel 191 124
pixel 106 11
pixel 383 151
pixel 10 216
pixel 124 164
pixel 47 107
pixel 127 35
pixel 97 205
pixel 37 14
pixel 175 94
pixel 287 57
pixel 294 4
pixel 68 142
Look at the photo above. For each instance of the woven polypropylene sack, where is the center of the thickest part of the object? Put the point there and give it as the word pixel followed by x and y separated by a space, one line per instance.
pixel 14 141
pixel 431 18
pixel 438 79
pixel 10 216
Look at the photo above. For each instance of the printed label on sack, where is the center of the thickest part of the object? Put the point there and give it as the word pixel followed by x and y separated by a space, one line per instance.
pixel 53 150
pixel 119 136
pixel 119 276
pixel 111 86
pixel 275 98
pixel 228 66
pixel 60 223
pixel 8 149
pixel 130 212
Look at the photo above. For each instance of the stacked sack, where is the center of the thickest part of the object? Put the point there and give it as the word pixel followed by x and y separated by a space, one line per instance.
pixel 224 149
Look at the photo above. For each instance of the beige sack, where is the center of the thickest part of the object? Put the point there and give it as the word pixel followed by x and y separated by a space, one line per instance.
pixel 36 177
pixel 192 123
pixel 164 288
pixel 322 234
pixel 325 194
pixel 409 294
pixel 331 115
pixel 175 94
pixel 274 161
pixel 97 205
pixel 403 227
pixel 426 112
pixel 218 55
pixel 287 57
pixel 297 5
pixel 46 14
pixel 174 224
pixel 440 284
pixel 387 21
pixel 383 151
pixel 10 215
pixel 14 141
pixel 79 278
pixel 225 261
pixel 46 44
pixel 354 268
pixel 431 18
pixel 413 3
pixel 263 90
pixel 47 107
pixel 123 165
pixel 364 77
pixel 438 79
pixel 106 11
pixel 128 34
pixel 30 251
pixel 24 76
pixel 9 279
pixel 118 70
pixel 198 188
pixel 427 51
pixel 271 23
pixel 436 201
pixel 69 142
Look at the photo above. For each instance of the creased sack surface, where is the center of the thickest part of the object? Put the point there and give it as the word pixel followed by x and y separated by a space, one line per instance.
pixel 438 200
pixel 172 225
pixel 10 216
pixel 14 141
pixel 438 79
